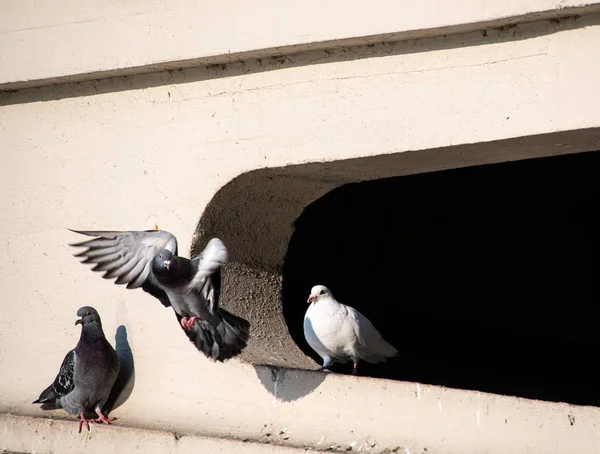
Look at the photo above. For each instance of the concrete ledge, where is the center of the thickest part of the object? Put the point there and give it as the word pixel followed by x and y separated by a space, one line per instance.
pixel 327 412
pixel 22 434
pixel 43 45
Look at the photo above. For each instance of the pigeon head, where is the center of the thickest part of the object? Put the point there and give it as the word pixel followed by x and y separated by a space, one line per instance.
pixel 318 292
pixel 88 316
pixel 162 261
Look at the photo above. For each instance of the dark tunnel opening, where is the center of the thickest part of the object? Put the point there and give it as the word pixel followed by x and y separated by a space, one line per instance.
pixel 484 277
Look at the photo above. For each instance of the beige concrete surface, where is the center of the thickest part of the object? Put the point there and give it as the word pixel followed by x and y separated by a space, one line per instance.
pixel 44 42
pixel 151 150
pixel 343 412
pixel 21 434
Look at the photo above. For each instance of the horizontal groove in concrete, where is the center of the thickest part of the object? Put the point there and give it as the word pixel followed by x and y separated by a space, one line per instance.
pixel 311 44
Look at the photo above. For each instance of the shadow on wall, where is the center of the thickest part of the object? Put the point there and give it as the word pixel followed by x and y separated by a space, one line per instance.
pixel 286 384
pixel 126 379
pixel 484 278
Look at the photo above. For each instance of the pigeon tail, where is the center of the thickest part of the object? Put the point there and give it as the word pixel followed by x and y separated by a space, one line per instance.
pixel 223 341
pixel 237 332
pixel 388 350
pixel 49 399
pixel 384 351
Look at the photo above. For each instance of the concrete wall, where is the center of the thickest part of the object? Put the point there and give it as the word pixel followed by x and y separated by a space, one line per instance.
pixel 48 42
pixel 155 148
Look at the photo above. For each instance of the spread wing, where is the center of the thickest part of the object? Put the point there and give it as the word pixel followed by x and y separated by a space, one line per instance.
pixel 211 290
pixel 207 279
pixel 127 256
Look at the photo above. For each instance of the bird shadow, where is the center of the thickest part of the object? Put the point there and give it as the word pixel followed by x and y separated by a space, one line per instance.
pixel 125 382
pixel 286 384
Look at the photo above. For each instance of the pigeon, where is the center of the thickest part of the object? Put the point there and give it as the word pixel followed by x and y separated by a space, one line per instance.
pixel 87 374
pixel 339 333
pixel 148 259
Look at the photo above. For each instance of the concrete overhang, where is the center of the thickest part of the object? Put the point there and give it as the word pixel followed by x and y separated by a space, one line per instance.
pixel 43 45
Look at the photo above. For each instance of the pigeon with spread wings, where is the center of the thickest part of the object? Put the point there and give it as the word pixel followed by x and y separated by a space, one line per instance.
pixel 148 259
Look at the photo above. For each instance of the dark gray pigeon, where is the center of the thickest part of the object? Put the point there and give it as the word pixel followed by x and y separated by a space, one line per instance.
pixel 148 259
pixel 87 374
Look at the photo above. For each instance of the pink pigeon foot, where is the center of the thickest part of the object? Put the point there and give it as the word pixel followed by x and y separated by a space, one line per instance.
pixel 187 323
pixel 354 371
pixel 102 418
pixel 84 420
pixel 191 321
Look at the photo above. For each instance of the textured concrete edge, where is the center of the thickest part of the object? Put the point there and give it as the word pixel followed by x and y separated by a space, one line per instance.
pixel 278 51
pixel 45 435
pixel 416 423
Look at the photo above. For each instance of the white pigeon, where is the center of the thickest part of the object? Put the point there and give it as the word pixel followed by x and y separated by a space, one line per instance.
pixel 339 333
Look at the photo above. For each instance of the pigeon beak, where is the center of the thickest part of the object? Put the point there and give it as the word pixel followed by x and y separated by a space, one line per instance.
pixel 311 298
pixel 77 322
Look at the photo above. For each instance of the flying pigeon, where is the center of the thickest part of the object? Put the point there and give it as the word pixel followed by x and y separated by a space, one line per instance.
pixel 87 374
pixel 148 259
pixel 339 333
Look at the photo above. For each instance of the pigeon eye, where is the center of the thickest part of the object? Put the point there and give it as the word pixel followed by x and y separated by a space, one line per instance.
pixel 89 313
pixel 322 292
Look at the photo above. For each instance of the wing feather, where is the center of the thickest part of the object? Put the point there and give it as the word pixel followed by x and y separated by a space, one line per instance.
pixel 373 344
pixel 125 255
pixel 211 259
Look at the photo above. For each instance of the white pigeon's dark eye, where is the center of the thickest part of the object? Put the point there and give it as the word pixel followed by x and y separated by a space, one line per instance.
pixel 322 292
